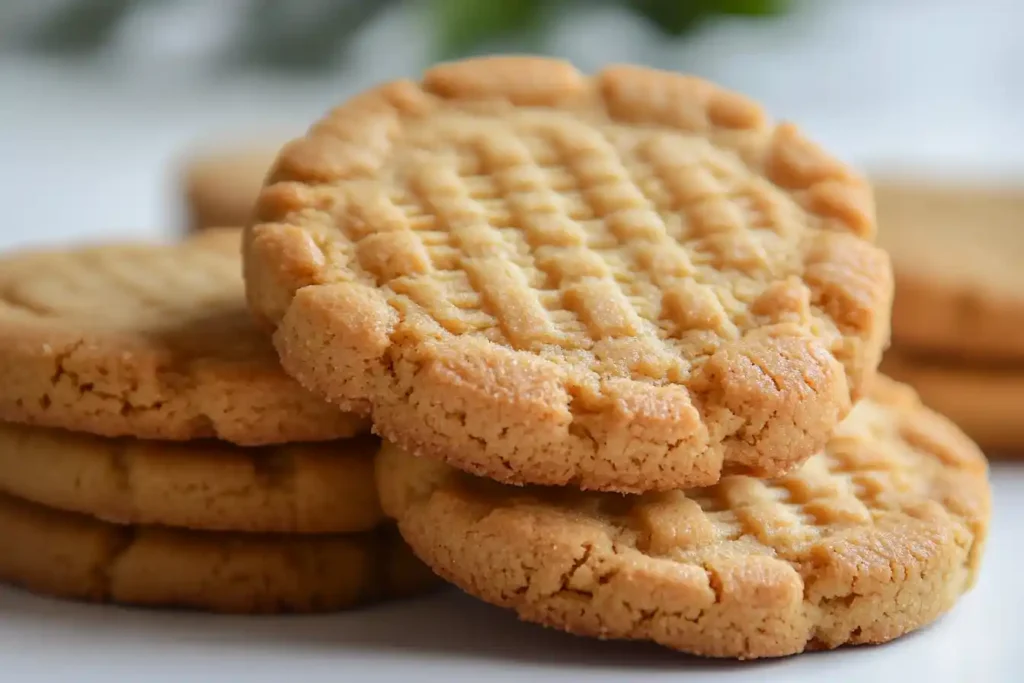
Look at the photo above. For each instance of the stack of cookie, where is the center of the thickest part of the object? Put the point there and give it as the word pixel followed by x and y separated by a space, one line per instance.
pixel 621 334
pixel 153 452
pixel 958 314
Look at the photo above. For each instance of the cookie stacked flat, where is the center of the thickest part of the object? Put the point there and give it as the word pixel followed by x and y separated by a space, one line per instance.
pixel 958 315
pixel 612 329
pixel 219 187
pixel 153 452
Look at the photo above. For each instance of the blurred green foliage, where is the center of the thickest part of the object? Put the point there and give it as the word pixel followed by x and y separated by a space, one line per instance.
pixel 465 25
pixel 306 34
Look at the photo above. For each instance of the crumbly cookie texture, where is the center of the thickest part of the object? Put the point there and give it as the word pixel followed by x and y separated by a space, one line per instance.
pixel 220 188
pixel 956 251
pixel 982 399
pixel 77 557
pixel 294 488
pixel 626 282
pixel 150 341
pixel 874 537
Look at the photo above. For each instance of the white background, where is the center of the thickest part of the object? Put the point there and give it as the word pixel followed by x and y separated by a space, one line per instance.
pixel 933 86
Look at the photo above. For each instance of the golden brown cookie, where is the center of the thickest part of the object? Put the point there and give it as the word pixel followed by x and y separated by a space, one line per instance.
pixel 986 401
pixel 957 252
pixel 76 557
pixel 627 282
pixel 152 341
pixel 296 488
pixel 220 187
pixel 873 538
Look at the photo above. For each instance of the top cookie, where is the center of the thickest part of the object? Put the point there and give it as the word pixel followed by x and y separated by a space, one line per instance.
pixel 957 253
pixel 149 341
pixel 627 282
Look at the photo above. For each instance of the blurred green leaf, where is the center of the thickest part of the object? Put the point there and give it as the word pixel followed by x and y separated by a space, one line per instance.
pixel 310 34
pixel 752 7
pixel 82 26
pixel 463 25
pixel 673 17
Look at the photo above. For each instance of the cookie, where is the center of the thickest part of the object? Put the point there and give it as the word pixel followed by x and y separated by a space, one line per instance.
pixel 152 341
pixel 220 187
pixel 957 252
pixel 625 282
pixel 77 557
pixel 296 488
pixel 872 538
pixel 983 400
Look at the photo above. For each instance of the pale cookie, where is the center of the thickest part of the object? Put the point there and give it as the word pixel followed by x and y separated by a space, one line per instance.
pixel 986 401
pixel 297 488
pixel 957 253
pixel 873 538
pixel 625 282
pixel 151 341
pixel 220 187
pixel 76 557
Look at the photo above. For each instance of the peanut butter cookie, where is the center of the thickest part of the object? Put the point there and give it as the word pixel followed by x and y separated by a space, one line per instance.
pixel 872 538
pixel 625 282
pixel 77 557
pixel 151 341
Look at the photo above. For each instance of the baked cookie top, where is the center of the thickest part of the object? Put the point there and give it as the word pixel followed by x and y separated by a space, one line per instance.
pixel 957 252
pixel 628 281
pixel 877 535
pixel 152 341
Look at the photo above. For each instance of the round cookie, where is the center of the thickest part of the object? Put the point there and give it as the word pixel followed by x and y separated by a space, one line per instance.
pixel 627 282
pixel 873 538
pixel 220 188
pixel 957 253
pixel 76 557
pixel 295 488
pixel 152 341
pixel 984 401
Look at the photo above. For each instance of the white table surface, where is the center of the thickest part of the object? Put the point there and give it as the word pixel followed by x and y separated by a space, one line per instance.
pixel 89 154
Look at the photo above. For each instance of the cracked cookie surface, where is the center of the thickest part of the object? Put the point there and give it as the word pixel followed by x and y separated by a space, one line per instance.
pixel 872 538
pixel 318 488
pixel 629 281
pixel 151 341
pixel 76 557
